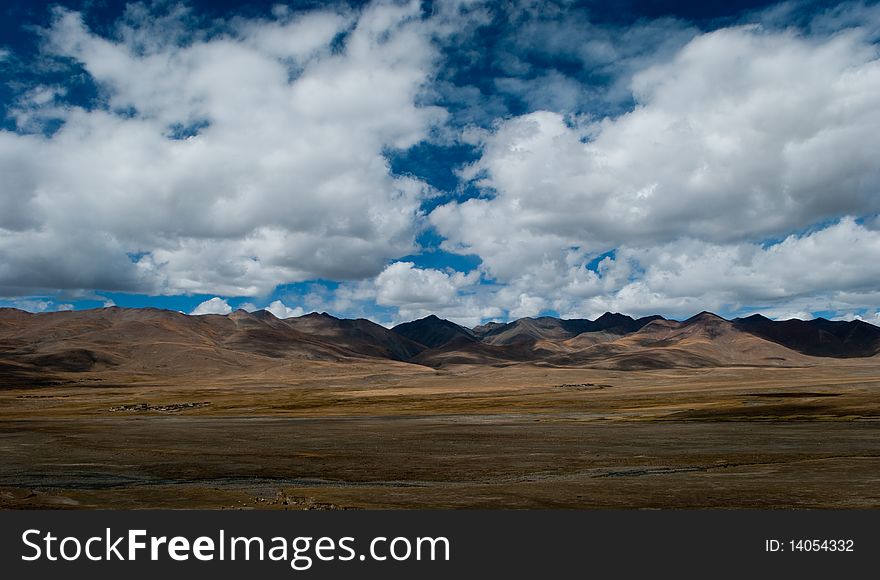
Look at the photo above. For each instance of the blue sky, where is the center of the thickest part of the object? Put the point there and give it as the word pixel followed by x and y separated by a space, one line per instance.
pixel 477 160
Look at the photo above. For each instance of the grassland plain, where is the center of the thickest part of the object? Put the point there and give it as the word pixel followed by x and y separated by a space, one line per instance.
pixel 365 434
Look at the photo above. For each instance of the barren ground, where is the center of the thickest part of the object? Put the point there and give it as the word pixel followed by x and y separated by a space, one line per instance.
pixel 386 435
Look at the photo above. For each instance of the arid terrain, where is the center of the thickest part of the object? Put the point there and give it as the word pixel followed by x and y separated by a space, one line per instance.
pixel 124 408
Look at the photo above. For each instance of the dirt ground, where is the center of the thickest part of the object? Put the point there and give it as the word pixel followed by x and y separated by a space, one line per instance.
pixel 367 435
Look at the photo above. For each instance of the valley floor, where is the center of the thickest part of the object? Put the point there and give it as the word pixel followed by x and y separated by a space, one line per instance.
pixel 370 435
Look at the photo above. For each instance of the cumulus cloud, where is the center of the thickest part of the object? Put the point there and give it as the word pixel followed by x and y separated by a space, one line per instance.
pixel 214 305
pixel 280 310
pixel 36 304
pixel 661 170
pixel 787 314
pixel 32 305
pixel 745 135
pixel 829 269
pixel 226 164
pixel 402 283
pixel 413 292
pixel 864 316
pixel 418 292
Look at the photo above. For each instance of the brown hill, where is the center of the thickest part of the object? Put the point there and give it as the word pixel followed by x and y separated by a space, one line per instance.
pixel 148 342
pixel 546 328
pixel 523 340
pixel 703 340
pixel 161 341
pixel 530 331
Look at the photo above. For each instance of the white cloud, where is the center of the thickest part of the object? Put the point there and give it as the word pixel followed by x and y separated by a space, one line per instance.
pixel 744 134
pixel 412 292
pixel 403 284
pixel 33 305
pixel 418 292
pixel 227 164
pixel 798 275
pixel 830 269
pixel 868 316
pixel 37 305
pixel 526 305
pixel 214 305
pixel 280 310
pixel 782 315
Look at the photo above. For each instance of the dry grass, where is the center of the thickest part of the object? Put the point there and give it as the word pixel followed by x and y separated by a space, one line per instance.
pixel 364 434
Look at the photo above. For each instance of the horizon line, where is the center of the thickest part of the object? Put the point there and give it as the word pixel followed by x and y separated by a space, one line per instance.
pixel 510 321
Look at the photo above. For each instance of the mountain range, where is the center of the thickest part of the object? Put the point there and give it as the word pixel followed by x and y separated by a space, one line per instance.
pixel 152 341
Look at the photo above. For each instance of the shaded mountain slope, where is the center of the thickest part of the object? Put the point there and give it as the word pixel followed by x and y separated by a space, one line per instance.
pixel 360 336
pixel 434 332
pixel 818 337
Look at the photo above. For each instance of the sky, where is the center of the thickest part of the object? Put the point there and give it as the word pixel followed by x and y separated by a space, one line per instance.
pixel 475 160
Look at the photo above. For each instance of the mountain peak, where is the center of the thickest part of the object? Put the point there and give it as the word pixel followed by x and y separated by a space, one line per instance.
pixel 318 315
pixel 263 314
pixel 755 318
pixel 433 331
pixel 704 316
pixel 613 316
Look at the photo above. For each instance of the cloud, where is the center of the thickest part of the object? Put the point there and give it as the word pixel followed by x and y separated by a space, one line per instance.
pixel 403 284
pixel 36 305
pixel 214 305
pixel 648 168
pixel 864 316
pixel 280 310
pixel 220 164
pixel 33 305
pixel 417 292
pixel 829 269
pixel 744 136
pixel 787 315
pixel 832 268
pixel 404 291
